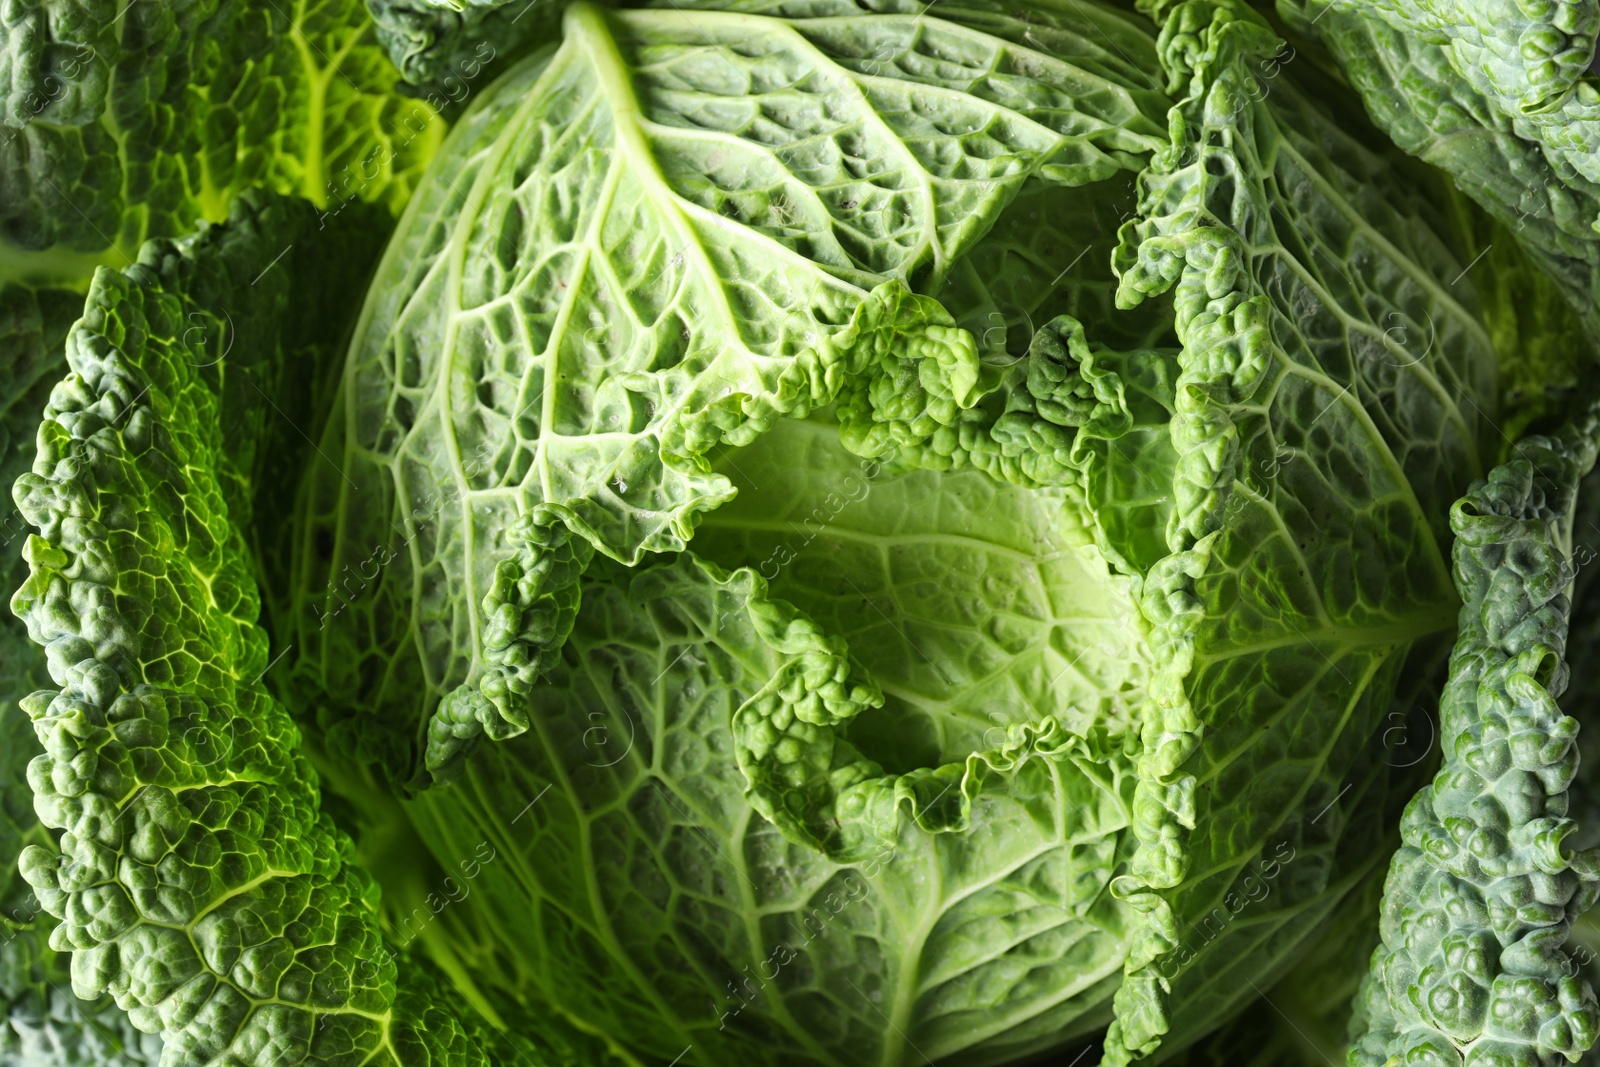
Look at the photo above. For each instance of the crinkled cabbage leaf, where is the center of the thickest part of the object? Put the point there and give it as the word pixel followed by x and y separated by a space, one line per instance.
pixel 785 430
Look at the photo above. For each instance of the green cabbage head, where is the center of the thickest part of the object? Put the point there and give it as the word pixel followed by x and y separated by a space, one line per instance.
pixel 880 534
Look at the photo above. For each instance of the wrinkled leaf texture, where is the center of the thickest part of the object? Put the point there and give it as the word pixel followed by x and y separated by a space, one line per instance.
pixel 645 255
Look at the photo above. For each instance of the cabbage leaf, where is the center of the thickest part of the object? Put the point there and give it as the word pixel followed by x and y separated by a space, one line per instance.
pixel 1183 529
pixel 730 264
pixel 939 509
pixel 197 881
pixel 1500 97
pixel 1484 889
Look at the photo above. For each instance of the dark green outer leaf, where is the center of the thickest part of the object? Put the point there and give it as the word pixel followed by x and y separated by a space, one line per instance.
pixel 198 882
pixel 1484 889
pixel 43 1024
pixel 1533 62
pixel 443 50
pixel 1425 95
pixel 123 121
pixel 33 331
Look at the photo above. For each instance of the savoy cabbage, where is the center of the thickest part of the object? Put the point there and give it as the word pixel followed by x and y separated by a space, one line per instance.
pixel 806 532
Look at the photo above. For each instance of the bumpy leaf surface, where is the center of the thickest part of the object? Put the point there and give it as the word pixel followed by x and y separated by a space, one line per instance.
pixel 449 51
pixel 1533 62
pixel 121 122
pixel 1484 889
pixel 44 1024
pixel 33 332
pixel 1447 82
pixel 126 121
pixel 197 880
